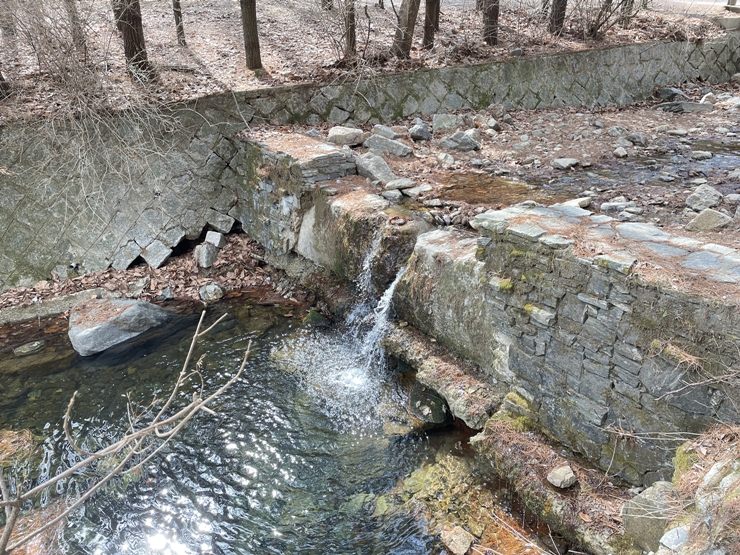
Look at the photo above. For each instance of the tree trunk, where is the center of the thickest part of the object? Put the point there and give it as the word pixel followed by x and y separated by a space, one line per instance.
pixel 381 4
pixel 557 16
pixel 405 32
pixel 75 23
pixel 249 30
pixel 4 86
pixel 134 45
pixel 490 22
pixel 179 27
pixel 350 30
pixel 8 29
pixel 117 6
pixel 431 22
pixel 627 13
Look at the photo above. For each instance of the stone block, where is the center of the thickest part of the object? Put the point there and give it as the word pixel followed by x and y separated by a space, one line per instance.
pixel 156 254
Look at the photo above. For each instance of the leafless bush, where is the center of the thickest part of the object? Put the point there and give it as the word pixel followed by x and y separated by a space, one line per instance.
pixel 148 431
pixel 95 128
pixel 593 18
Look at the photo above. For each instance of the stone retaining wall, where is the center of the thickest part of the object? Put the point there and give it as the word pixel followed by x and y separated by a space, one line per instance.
pixel 603 358
pixel 67 201
pixel 600 77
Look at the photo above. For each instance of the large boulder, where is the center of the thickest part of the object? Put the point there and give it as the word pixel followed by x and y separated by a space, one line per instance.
pixel 99 324
pixel 708 220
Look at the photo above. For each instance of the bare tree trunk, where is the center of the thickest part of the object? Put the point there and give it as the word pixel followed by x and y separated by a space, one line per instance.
pixel 627 13
pixel 4 86
pixel 490 22
pixel 75 22
pixel 8 28
pixel 405 32
pixel 117 6
pixel 179 27
pixel 381 4
pixel 431 23
pixel 134 45
pixel 350 30
pixel 251 37
pixel 557 16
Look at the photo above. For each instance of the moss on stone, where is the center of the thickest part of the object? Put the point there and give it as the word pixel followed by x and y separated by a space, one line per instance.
pixel 516 422
pixel 684 460
pixel 624 545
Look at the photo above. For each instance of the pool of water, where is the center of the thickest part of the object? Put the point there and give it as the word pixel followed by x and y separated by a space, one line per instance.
pixel 278 469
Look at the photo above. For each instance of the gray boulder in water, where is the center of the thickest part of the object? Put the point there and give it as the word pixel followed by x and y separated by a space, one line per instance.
pixel 99 324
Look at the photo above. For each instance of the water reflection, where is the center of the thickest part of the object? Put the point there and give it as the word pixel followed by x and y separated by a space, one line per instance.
pixel 271 472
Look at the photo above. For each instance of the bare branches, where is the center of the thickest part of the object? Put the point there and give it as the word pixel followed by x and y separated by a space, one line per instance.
pixel 143 440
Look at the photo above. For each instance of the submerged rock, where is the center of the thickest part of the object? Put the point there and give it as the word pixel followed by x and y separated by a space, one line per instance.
pixel 99 324
pixel 29 348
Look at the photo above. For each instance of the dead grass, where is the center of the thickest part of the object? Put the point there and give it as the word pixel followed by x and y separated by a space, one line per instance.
pixel 721 443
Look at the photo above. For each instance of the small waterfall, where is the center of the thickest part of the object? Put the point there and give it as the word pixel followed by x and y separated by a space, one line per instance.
pixel 372 349
pixel 344 370
pixel 365 288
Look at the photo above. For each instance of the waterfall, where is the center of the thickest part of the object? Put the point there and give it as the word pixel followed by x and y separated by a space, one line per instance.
pixel 365 288
pixel 344 370
pixel 372 349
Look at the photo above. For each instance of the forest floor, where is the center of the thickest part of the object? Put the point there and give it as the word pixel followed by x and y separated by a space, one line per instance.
pixel 300 43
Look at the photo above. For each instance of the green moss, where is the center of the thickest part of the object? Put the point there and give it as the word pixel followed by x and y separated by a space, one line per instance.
pixel 517 423
pixel 506 284
pixel 624 545
pixel 529 308
pixel 515 399
pixel 684 460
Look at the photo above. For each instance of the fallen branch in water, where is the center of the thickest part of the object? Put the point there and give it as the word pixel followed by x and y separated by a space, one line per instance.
pixel 143 439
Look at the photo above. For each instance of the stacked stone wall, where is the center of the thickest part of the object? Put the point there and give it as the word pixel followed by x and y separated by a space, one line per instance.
pixel 605 359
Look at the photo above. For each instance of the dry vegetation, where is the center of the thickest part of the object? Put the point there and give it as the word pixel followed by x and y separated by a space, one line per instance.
pixel 299 43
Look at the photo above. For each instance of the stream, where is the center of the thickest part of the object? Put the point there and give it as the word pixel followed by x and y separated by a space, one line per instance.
pixel 278 469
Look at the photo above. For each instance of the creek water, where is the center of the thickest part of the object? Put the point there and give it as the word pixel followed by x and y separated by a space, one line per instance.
pixel 279 468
